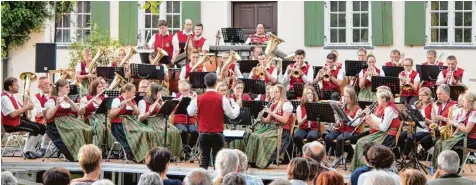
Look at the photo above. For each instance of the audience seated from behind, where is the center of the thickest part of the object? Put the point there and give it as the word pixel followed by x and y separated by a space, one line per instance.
pixel 89 157
pixel 316 151
pixel 280 182
pixel 243 166
pixel 234 179
pixel 158 161
pixel 150 178
pixel 378 177
pixel 298 171
pixel 314 170
pixel 330 178
pixel 412 177
pixel 447 173
pixel 56 176
pixel 354 177
pixel 8 178
pixel 103 182
pixel 226 162
pixel 380 158
pixel 198 176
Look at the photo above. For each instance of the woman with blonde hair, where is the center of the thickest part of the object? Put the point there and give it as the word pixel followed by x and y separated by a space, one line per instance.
pixel 89 157
pixel 264 144
pixel 307 129
pixel 184 123
pixel 119 55
pixel 412 177
pixel 365 79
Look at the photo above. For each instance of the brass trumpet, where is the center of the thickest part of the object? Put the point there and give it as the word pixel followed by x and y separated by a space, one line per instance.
pixel 405 82
pixel 371 71
pixel 260 71
pixel 324 75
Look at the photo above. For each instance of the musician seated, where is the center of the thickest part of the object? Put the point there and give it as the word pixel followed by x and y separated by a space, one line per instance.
pixel 185 72
pixel 306 128
pixel 365 79
pixel 166 70
pixel 395 58
pixel 343 132
pixel 443 106
pixel 264 144
pixel 258 38
pixel 233 69
pixel 297 73
pixel 82 70
pixel 143 85
pixel 238 96
pixel 331 77
pixel 264 71
pixel 431 58
pixel 267 96
pixel 64 129
pixel 257 51
pixel 184 123
pixel 14 118
pixel 453 75
pixel 362 54
pixel 409 82
pixel 384 122
pixel 119 55
pixel 422 135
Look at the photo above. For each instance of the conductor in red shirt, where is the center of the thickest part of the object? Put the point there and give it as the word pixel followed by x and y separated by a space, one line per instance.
pixel 210 108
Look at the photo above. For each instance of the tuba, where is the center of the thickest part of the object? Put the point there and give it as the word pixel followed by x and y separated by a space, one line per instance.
pixel 131 52
pixel 227 79
pixel 27 78
pixel 69 74
pixel 273 42
pixel 94 61
pixel 118 79
pixel 160 54
pixel 198 67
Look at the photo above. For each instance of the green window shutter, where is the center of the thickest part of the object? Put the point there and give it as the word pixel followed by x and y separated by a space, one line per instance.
pixel 313 23
pixel 128 15
pixel 191 10
pixel 415 23
pixel 382 28
pixel 100 15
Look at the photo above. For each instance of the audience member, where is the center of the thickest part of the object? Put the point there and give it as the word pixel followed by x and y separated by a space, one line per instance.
pixel 378 177
pixel 447 173
pixel 234 179
pixel 89 157
pixel 158 161
pixel 314 169
pixel 330 178
pixel 316 151
pixel 298 171
pixel 380 158
pixel 242 167
pixel 150 178
pixel 103 182
pixel 56 176
pixel 8 178
pixel 198 176
pixel 354 177
pixel 412 177
pixel 226 162
pixel 280 182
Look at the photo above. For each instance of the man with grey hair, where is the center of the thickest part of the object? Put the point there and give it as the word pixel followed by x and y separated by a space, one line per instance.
pixel 243 165
pixel 8 178
pixel 150 178
pixel 447 173
pixel 234 179
pixel 317 151
pixel 225 163
pixel 198 176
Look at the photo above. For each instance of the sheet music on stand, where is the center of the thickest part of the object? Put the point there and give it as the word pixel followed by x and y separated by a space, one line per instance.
pixel 254 106
pixel 316 70
pixel 147 71
pixel 247 65
pixel 232 35
pixel 298 88
pixel 112 93
pixel 321 112
pixel 392 82
pixel 295 104
pixel 353 67
pixel 108 73
pixel 429 72
pixel 144 55
pixel 254 86
pixel 392 71
pixel 336 106
pixel 197 79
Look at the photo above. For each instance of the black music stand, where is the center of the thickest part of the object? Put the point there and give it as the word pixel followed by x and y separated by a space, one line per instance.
pixel 104 108
pixel 197 80
pixel 112 93
pixel 411 113
pixel 139 96
pixel 392 82
pixel 392 71
pixel 298 88
pixel 321 112
pixel 364 104
pixel 455 91
pixel 254 86
pixel 429 72
pixel 73 89
pixel 255 106
pixel 353 67
pixel 165 98
pixel 285 65
pixel 316 70
pixel 108 73
pixel 166 109
pixel 247 65
pixel 296 104
pixel 336 106
pixel 244 118
pixel 232 35
pixel 144 56
pixel 146 71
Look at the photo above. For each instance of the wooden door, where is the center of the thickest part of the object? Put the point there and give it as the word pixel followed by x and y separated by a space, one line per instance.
pixel 247 15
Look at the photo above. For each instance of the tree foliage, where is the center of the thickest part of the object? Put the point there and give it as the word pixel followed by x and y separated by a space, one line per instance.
pixel 19 19
pixel 153 6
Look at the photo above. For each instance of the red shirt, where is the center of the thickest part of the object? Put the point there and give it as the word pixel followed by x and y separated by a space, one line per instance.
pixel 60 112
pixel 444 109
pixel 346 128
pixel 472 133
pixel 42 100
pixel 280 113
pixel 395 123
pixel 8 120
pixel 117 119
pixel 164 42
pixel 199 43
pixel 368 83
pixel 300 80
pixel 182 39
pixel 266 80
pixel 457 75
pixel 413 92
pixel 258 39
pixel 182 118
pixel 329 85
pixel 210 112
pixel 244 97
pixel 90 109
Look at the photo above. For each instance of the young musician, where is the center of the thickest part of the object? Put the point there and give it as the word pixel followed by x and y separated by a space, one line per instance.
pixel 267 96
pixel 222 89
pixel 464 129
pixel 344 132
pixel 238 96
pixel 365 77
pixel 184 123
pixel 162 39
pixel 14 118
pixel 307 129
pixel 135 137
pixel 264 143
pixel 409 82
pixel 338 64
pixel 269 73
pixel 297 73
pixel 88 106
pixel 66 131
pixel 258 38
pixel 194 57
pixel 362 54
pixel 143 85
pixel 210 108
pixel 201 43
pixel 233 68
pixel 82 70
pixel 384 123
pixel 452 75
pixel 257 51
pixel 180 39
pixel 395 58
pixel 424 105
pixel 330 85
pixel 149 106
pixel 120 54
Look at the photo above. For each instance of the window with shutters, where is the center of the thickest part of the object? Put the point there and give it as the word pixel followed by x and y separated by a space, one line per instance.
pixel 451 23
pixel 347 23
pixel 74 25
pixel 171 11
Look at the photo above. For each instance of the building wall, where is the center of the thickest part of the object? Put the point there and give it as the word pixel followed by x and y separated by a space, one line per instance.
pixel 217 14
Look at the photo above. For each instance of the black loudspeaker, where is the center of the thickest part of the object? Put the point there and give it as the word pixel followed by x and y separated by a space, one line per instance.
pixel 45 57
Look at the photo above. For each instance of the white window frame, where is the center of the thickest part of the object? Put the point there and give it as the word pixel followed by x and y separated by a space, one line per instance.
pixel 349 26
pixel 162 15
pixel 73 25
pixel 451 26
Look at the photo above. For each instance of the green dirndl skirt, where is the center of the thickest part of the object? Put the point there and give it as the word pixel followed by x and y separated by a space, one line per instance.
pixel 174 140
pixel 98 122
pixel 366 94
pixel 448 145
pixel 358 158
pixel 262 144
pixel 140 137
pixel 74 133
pixel 83 90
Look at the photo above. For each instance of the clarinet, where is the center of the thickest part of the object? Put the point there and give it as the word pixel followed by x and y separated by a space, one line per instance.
pixel 371 109
pixel 261 114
